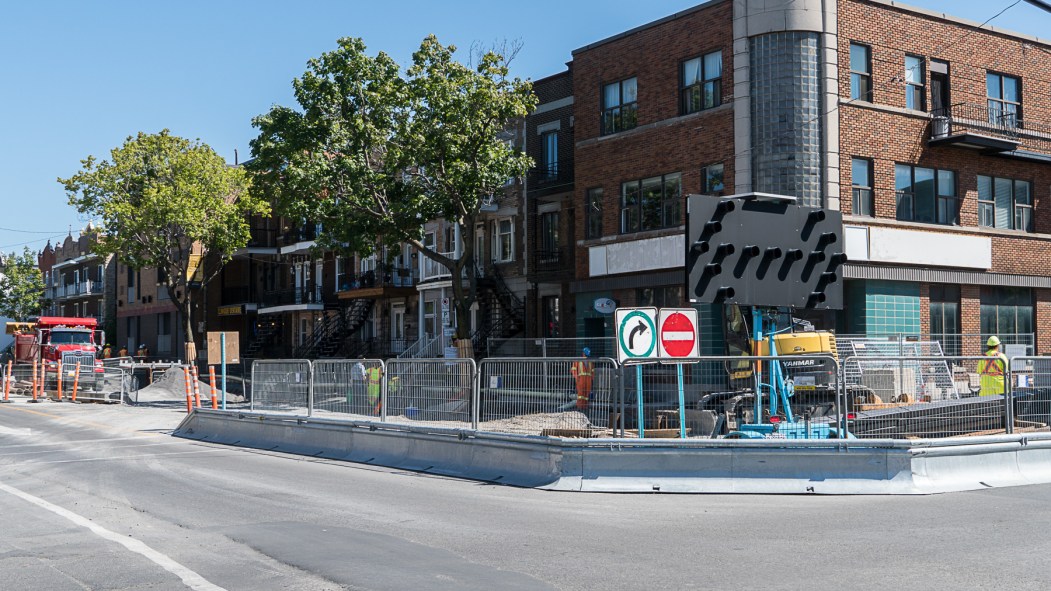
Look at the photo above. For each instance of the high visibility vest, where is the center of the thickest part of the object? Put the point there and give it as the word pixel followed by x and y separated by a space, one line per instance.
pixel 373 380
pixel 581 369
pixel 991 373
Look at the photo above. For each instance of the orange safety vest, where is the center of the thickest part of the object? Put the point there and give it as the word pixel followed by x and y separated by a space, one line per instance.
pixel 581 369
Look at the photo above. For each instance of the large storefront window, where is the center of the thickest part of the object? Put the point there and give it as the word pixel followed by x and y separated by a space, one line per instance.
pixel 945 317
pixel 1006 311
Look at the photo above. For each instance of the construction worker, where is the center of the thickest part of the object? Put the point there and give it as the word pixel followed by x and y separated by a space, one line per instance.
pixel 374 376
pixel 583 371
pixel 123 352
pixel 107 351
pixel 991 371
pixel 143 351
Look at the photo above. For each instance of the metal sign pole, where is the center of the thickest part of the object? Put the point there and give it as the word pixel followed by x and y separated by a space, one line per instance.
pixel 638 389
pixel 222 348
pixel 682 403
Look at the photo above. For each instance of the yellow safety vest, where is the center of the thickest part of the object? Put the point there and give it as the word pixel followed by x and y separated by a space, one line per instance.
pixel 373 375
pixel 991 373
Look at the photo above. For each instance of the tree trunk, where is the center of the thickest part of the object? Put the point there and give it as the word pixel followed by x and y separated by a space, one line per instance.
pixel 189 347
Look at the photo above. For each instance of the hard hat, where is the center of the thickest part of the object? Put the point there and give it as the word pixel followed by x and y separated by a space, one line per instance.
pixel 587 352
pixel 993 341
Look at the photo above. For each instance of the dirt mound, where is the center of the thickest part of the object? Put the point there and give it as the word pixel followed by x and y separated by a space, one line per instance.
pixel 171 386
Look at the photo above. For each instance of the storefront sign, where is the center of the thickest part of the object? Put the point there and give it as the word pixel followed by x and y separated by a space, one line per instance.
pixel 229 310
pixel 605 305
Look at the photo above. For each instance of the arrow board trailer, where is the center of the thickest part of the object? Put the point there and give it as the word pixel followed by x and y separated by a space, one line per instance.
pixel 636 335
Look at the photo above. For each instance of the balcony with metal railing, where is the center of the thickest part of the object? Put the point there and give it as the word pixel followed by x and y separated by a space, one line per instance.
pixel 70 290
pixel 551 177
pixel 309 297
pixel 384 281
pixel 991 127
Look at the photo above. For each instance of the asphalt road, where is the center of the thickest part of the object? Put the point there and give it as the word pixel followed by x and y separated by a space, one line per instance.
pixel 101 497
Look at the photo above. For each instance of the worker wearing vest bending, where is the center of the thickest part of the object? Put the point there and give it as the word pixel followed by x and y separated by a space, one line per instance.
pixel 991 371
pixel 583 372
pixel 374 376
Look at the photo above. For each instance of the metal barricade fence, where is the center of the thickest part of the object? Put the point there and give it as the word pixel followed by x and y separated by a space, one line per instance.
pixel 349 386
pixel 561 397
pixel 282 386
pixel 801 399
pixel 1031 393
pixel 901 397
pixel 430 391
pixel 111 384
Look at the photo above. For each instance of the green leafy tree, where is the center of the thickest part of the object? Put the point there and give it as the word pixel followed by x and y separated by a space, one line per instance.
pixel 374 152
pixel 21 286
pixel 168 203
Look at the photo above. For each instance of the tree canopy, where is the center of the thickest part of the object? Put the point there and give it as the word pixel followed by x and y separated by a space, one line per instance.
pixel 374 152
pixel 21 286
pixel 158 198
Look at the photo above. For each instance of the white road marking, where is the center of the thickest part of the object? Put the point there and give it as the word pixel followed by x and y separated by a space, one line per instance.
pixel 188 577
pixel 76 441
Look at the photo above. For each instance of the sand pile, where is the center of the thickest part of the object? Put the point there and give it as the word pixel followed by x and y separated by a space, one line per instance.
pixel 171 386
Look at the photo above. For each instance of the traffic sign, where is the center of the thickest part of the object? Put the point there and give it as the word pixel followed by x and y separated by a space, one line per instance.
pixel 636 334
pixel 678 333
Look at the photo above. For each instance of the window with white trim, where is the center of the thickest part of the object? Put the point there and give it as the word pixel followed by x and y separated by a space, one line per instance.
pixel 504 240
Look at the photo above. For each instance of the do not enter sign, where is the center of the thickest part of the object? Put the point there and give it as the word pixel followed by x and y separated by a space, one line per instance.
pixel 678 333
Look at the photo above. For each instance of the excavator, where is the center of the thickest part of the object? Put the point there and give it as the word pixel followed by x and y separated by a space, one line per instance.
pixel 799 389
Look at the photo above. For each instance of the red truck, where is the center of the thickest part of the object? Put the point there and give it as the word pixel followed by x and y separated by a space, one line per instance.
pixel 51 339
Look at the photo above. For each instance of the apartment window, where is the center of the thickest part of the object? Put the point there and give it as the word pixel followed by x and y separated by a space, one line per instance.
pixel 860 72
pixel 341 274
pixel 702 82
pixel 650 204
pixel 549 144
pixel 712 179
pixel 593 213
pixel 164 332
pixel 1005 99
pixel 504 237
pixel 620 106
pixel 1006 311
pixel 915 83
pixel 945 317
pixel 548 251
pixel 861 186
pixel 926 195
pixel 1005 203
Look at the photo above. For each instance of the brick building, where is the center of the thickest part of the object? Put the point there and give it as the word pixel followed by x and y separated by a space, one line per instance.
pixel 78 282
pixel 931 135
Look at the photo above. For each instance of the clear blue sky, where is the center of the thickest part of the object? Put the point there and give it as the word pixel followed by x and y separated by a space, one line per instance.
pixel 79 77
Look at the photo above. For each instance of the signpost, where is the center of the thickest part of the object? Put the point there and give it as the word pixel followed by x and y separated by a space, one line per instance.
pixel 223 350
pixel 678 342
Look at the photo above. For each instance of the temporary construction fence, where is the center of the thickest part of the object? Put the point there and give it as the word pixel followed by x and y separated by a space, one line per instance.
pixel 927 396
pixel 871 396
pixel 552 347
pixel 106 383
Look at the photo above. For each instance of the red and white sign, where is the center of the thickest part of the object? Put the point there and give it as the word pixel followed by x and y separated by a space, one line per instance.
pixel 677 328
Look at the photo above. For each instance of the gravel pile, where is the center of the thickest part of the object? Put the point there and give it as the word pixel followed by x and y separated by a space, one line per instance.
pixel 171 386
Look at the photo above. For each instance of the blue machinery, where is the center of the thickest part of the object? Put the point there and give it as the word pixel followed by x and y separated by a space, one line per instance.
pixel 780 389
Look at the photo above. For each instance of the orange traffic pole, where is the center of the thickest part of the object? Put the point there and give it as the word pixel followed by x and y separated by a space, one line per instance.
pixel 76 381
pixel 196 388
pixel 34 380
pixel 211 378
pixel 58 383
pixel 189 394
pixel 11 376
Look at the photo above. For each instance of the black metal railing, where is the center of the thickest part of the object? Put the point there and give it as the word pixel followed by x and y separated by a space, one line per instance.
pixel 943 210
pixel 383 277
pixel 287 297
pixel 304 233
pixel 977 118
pixel 550 175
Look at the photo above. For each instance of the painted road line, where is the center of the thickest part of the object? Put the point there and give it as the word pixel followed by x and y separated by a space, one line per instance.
pixel 188 577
